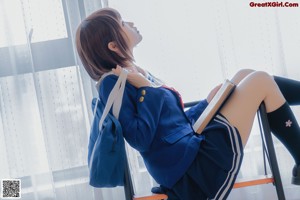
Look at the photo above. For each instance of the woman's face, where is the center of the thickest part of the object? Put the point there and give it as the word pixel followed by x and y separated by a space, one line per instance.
pixel 133 36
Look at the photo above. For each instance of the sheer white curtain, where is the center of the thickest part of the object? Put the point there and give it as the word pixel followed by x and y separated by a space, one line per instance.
pixel 194 45
pixel 45 100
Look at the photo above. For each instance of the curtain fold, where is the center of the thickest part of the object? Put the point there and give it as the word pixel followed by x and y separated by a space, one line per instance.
pixel 45 100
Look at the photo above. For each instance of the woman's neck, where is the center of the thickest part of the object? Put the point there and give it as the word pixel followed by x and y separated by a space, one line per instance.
pixel 134 68
pixel 131 67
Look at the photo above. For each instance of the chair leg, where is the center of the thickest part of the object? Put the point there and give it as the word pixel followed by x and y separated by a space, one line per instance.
pixel 264 152
pixel 128 185
pixel 271 151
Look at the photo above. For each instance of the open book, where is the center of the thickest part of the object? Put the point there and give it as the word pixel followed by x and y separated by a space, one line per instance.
pixel 214 106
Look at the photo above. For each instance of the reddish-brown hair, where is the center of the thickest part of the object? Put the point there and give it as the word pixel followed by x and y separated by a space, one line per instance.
pixel 92 38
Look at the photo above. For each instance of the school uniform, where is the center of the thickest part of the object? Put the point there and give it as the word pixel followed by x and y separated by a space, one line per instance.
pixel 186 164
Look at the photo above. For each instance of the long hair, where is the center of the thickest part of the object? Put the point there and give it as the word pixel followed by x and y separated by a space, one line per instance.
pixel 92 38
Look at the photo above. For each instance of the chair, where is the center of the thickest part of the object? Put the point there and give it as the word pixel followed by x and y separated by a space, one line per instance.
pixel 268 152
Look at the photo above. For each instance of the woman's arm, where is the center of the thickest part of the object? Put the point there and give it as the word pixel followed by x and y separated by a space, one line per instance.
pixel 194 112
pixel 140 111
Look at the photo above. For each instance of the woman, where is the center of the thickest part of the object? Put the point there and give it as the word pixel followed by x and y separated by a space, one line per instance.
pixel 188 165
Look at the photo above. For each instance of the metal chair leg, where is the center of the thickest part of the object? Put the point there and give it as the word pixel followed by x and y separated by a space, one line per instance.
pixel 271 151
pixel 128 186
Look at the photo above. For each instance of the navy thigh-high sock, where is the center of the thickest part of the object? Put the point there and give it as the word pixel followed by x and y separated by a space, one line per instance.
pixel 284 126
pixel 290 89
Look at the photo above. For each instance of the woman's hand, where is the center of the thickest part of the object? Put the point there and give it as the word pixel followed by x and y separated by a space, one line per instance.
pixel 135 78
pixel 213 93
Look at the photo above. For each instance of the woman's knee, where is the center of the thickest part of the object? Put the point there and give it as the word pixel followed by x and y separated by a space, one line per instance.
pixel 257 80
pixel 263 87
pixel 263 78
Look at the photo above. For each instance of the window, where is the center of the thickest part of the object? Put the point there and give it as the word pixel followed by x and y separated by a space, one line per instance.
pixel 44 117
pixel 194 45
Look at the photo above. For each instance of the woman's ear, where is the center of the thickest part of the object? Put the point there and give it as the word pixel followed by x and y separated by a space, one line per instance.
pixel 113 47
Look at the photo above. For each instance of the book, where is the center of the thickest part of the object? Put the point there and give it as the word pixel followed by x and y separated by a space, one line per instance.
pixel 214 106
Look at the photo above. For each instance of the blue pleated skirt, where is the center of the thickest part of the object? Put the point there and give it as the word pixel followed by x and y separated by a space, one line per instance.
pixel 215 168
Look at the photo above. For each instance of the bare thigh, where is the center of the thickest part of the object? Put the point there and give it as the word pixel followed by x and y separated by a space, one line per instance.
pixel 241 108
pixel 240 75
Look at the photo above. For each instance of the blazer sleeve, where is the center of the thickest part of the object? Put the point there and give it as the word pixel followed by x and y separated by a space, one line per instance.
pixel 194 112
pixel 140 112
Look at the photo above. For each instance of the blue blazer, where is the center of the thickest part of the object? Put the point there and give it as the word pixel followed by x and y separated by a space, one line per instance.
pixel 155 124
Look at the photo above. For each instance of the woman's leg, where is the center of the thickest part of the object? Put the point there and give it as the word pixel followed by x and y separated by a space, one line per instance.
pixel 290 89
pixel 241 108
pixel 291 92
pixel 244 102
pixel 240 75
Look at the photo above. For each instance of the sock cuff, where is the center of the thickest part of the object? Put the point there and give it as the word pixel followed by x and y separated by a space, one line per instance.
pixel 281 108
